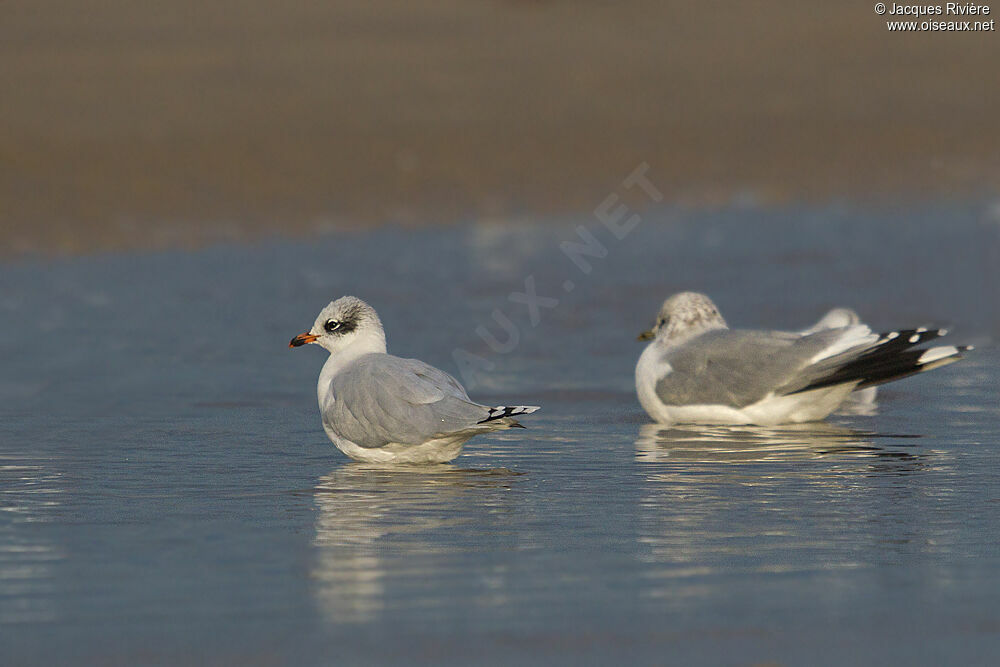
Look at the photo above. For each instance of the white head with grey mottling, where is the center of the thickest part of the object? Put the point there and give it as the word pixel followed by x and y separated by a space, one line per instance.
pixel 345 323
pixel 683 316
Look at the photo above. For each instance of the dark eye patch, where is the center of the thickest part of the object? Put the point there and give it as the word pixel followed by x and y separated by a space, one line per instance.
pixel 340 327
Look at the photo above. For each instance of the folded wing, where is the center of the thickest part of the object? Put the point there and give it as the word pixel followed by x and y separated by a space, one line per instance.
pixel 738 368
pixel 382 399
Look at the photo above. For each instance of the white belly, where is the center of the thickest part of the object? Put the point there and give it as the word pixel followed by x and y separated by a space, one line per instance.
pixel 438 450
pixel 769 411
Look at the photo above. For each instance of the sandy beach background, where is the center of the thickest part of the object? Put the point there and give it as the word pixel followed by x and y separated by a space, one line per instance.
pixel 139 125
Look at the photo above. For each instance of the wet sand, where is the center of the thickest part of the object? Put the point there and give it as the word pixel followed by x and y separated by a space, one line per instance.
pixel 130 126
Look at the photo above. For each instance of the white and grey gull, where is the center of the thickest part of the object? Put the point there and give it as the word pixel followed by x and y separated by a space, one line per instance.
pixel 860 401
pixel 380 408
pixel 698 370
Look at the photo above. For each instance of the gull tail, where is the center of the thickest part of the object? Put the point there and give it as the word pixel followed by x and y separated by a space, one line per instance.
pixel 893 356
pixel 507 413
pixel 914 361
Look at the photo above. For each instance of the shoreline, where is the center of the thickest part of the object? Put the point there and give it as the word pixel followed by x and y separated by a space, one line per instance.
pixel 135 128
pixel 191 236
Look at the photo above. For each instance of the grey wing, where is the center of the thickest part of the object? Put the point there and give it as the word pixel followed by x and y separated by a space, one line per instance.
pixel 739 368
pixel 383 399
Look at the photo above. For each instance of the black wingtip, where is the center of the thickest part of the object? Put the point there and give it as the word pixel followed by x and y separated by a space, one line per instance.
pixel 506 411
pixel 904 338
pixel 892 358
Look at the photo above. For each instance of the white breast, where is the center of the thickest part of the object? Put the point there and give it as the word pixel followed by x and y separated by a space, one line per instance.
pixel 648 372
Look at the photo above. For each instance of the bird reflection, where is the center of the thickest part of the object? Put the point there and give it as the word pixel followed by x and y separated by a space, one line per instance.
pixel 723 500
pixel 376 526
pixel 31 493
pixel 754 444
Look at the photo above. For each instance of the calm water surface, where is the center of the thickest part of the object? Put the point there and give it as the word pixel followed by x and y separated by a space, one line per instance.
pixel 168 495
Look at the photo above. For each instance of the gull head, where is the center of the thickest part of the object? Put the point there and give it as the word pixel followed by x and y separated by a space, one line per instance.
pixel 346 322
pixel 683 316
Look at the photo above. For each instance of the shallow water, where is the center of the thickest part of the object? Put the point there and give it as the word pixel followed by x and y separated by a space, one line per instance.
pixel 168 494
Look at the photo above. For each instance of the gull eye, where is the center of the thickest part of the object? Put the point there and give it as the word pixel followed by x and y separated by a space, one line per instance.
pixel 660 322
pixel 331 325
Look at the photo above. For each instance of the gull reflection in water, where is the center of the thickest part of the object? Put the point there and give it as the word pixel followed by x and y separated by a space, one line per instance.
pixel 719 501
pixel 755 444
pixel 31 493
pixel 376 526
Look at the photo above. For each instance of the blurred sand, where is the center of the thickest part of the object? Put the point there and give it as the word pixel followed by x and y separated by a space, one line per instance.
pixel 129 125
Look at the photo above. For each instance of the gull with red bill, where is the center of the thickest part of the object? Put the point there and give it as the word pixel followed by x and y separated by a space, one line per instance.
pixel 380 408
